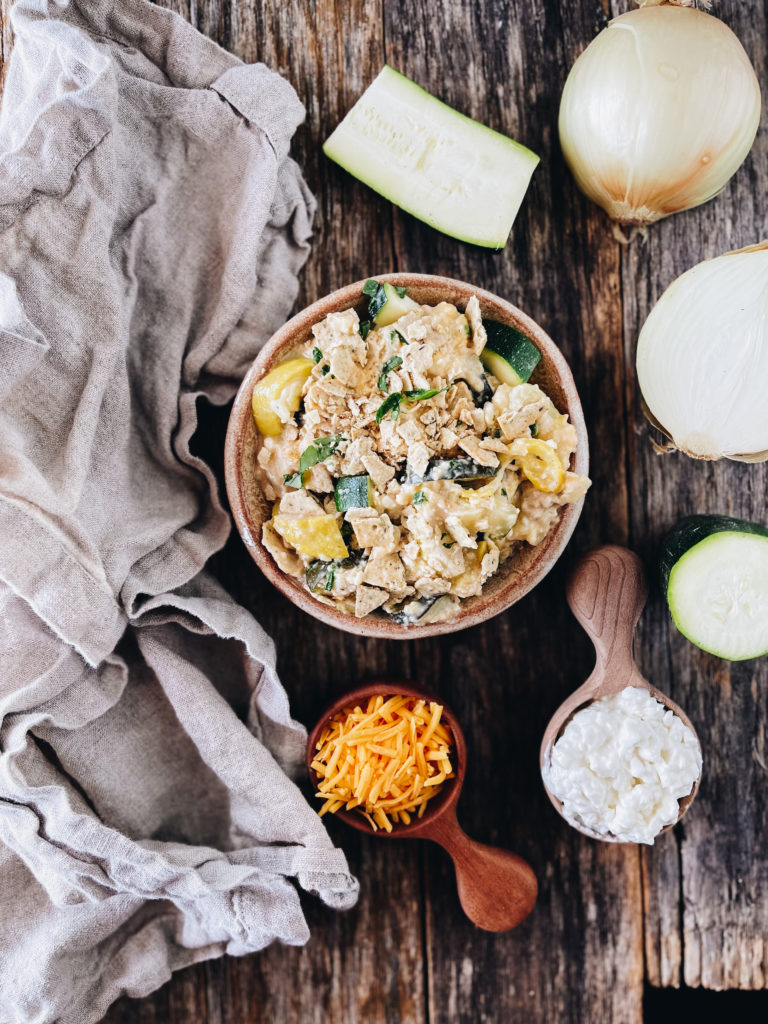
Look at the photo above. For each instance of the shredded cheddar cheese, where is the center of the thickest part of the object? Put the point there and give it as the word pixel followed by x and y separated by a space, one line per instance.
pixel 387 761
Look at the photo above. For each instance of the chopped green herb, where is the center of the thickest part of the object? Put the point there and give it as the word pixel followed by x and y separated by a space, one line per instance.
pixel 325 369
pixel 329 580
pixel 377 297
pixel 393 335
pixel 400 291
pixel 504 491
pixel 419 497
pixel 534 428
pixel 497 432
pixel 387 368
pixel 450 544
pixel 467 330
pixel 422 394
pixel 391 404
pixel 317 355
pixel 365 329
pixel 321 449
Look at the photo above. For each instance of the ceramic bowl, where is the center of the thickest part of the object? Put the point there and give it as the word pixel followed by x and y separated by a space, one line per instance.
pixel 517 576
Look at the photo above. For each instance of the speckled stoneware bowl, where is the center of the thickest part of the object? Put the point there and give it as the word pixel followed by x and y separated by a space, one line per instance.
pixel 517 575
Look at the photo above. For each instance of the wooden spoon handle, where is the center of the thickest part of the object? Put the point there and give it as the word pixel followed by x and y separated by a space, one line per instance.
pixel 497 889
pixel 607 592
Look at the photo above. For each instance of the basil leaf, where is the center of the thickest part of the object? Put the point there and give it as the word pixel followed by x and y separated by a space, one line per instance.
pixel 365 329
pixel 317 355
pixel 293 480
pixel 329 580
pixel 377 297
pixel 419 497
pixel 325 369
pixel 397 334
pixel 391 404
pixel 422 394
pixel 321 449
pixel 387 368
pixel 400 291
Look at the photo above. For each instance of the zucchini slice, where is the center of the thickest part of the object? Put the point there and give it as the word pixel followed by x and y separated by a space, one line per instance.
pixel 353 492
pixel 444 168
pixel 386 302
pixel 714 572
pixel 509 355
pixel 449 469
pixel 422 610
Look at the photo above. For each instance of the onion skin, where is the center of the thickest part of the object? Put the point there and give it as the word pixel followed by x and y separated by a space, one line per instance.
pixel 702 359
pixel 658 113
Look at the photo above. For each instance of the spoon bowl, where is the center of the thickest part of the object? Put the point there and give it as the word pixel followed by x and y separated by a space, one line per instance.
pixel 497 889
pixel 607 592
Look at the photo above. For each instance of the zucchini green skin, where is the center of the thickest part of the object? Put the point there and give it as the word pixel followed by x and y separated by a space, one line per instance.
pixel 511 345
pixel 353 492
pixel 427 606
pixel 449 469
pixel 691 530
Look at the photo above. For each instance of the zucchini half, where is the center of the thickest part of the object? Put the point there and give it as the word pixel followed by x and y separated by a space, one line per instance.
pixel 433 162
pixel 714 572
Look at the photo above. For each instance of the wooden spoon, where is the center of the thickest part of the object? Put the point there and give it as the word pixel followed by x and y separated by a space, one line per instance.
pixel 497 889
pixel 606 593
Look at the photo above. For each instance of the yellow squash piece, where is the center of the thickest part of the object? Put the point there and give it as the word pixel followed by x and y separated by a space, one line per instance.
pixel 313 536
pixel 282 385
pixel 539 462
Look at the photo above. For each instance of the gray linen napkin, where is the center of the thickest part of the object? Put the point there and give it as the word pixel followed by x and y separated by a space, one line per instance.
pixel 151 227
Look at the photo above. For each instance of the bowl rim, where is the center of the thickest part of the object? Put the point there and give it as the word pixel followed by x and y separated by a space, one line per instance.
pixel 513 589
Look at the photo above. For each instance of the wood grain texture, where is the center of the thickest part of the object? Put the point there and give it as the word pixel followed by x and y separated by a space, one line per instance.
pixel 706 914
pixel 694 907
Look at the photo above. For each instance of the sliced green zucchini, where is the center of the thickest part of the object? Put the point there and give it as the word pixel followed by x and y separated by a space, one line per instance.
pixel 451 172
pixel 386 302
pixel 320 574
pixel 422 610
pixel 509 355
pixel 714 572
pixel 448 469
pixel 353 492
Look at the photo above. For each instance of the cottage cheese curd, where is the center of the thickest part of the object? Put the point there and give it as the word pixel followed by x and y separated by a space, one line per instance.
pixel 621 765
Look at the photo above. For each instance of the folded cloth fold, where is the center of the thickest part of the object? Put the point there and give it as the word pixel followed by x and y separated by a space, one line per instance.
pixel 151 229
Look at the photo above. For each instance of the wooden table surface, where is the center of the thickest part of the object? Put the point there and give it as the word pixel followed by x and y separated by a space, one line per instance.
pixel 692 910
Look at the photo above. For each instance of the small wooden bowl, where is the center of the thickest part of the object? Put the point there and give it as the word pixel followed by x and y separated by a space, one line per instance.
pixel 497 889
pixel 250 509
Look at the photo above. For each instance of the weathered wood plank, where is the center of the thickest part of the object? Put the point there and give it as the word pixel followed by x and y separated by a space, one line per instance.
pixel 711 875
pixel 407 953
pixel 579 957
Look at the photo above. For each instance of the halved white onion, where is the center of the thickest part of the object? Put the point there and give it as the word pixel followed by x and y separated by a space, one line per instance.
pixel 702 358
